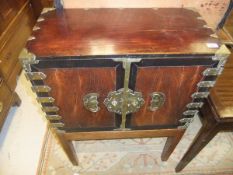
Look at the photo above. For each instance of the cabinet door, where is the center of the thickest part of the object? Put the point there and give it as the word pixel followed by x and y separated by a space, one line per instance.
pixel 73 83
pixel 175 82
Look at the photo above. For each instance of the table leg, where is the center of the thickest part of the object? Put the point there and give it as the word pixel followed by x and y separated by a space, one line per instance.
pixel 170 145
pixel 68 147
pixel 206 133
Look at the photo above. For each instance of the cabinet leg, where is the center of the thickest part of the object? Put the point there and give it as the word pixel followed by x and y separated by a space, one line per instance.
pixel 16 100
pixel 206 133
pixel 68 147
pixel 170 145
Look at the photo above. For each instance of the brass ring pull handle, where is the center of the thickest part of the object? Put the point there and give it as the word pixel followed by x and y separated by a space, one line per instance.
pixel 1 107
pixel 91 102
pixel 157 100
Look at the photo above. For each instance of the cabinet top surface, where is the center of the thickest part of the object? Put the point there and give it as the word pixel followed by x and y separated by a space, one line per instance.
pixel 93 32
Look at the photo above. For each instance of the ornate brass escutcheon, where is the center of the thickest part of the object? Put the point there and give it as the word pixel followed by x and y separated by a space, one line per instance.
pixel 157 100
pixel 116 100
pixel 91 102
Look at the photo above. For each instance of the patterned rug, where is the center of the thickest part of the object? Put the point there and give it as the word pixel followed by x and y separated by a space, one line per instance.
pixel 139 156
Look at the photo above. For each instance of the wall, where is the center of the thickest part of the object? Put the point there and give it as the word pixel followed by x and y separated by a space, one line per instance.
pixel 211 10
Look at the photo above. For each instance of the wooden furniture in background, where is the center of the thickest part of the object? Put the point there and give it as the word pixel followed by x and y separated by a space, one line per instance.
pixel 121 73
pixel 217 113
pixel 16 22
pixel 38 5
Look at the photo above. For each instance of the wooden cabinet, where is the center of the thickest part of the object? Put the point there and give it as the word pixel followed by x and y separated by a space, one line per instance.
pixel 16 22
pixel 122 73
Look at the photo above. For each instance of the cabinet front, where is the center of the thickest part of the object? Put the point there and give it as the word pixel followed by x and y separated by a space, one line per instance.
pixel 166 91
pixel 106 94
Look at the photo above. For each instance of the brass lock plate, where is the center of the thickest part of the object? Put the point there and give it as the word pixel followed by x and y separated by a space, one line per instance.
pixel 115 101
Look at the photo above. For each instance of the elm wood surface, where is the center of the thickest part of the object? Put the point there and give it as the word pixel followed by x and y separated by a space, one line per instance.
pixel 70 85
pixel 178 83
pixel 99 135
pixel 75 32
pixel 68 39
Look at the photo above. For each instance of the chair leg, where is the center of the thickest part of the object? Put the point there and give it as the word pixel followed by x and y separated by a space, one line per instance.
pixel 68 147
pixel 170 145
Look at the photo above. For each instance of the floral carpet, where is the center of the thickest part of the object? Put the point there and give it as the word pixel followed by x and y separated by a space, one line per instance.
pixel 138 156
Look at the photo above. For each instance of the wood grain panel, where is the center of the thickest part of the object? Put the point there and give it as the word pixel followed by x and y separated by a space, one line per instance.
pixel 75 32
pixel 177 83
pixel 69 86
pixel 131 134
pixel 14 39
pixel 8 10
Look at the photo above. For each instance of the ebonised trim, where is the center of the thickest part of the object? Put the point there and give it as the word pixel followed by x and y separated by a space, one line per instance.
pixel 112 129
pixel 142 56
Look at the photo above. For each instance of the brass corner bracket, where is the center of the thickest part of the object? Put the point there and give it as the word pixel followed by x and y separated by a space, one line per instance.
pixel 27 58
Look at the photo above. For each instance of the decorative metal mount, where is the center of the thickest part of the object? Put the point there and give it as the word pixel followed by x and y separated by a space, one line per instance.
pixel 45 99
pixel 31 38
pixel 206 84
pixel 40 19
pixel 46 10
pixel 58 124
pixel 35 28
pixel 127 66
pixel 41 88
pixel 190 112
pixel 35 75
pixel 116 100
pixel 91 102
pixel 194 105
pixel 186 122
pixel 157 100
pixel 53 117
pixel 50 109
pixel 211 72
pixel 27 58
pixel 200 95
pixel 221 56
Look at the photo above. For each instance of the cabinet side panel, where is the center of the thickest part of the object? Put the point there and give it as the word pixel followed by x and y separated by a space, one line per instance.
pixel 177 83
pixel 70 85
